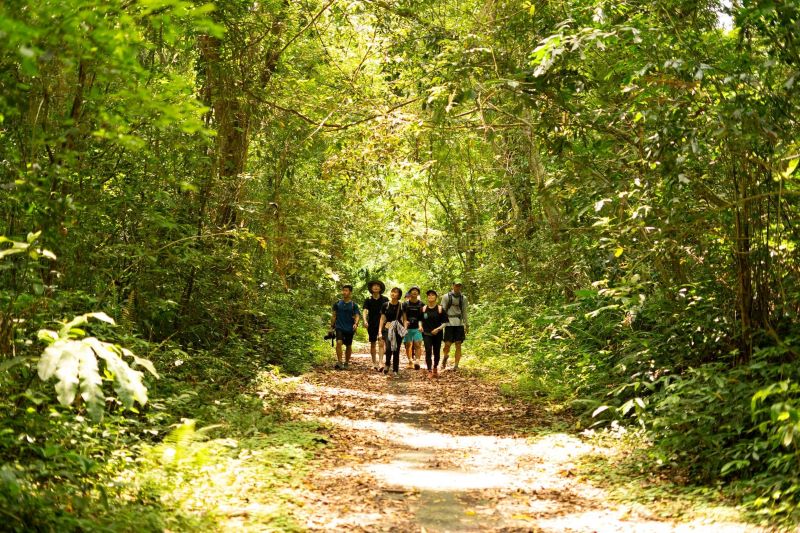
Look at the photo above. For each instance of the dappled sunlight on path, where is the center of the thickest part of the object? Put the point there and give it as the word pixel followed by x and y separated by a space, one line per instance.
pixel 414 454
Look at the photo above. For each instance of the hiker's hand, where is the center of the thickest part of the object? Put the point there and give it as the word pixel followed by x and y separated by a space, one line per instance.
pixel 366 324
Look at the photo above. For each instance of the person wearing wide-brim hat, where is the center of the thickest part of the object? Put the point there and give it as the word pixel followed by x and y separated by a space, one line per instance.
pixel 372 318
pixel 454 304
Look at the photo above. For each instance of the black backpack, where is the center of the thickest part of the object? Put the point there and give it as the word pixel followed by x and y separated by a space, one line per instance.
pixel 450 295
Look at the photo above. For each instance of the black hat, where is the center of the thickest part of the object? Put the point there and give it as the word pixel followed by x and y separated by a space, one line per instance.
pixel 431 291
pixel 379 283
pixel 414 288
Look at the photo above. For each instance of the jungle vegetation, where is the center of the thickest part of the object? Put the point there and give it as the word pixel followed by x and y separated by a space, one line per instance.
pixel 185 185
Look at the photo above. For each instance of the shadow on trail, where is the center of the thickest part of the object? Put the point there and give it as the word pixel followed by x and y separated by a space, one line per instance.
pixel 414 454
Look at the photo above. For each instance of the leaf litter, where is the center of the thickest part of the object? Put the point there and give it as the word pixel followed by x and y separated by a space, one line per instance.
pixel 415 454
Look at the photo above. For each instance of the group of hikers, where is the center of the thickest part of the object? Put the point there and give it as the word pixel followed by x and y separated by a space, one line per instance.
pixel 392 323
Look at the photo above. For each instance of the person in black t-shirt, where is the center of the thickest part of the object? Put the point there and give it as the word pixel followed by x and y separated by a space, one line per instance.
pixel 434 320
pixel 372 318
pixel 390 330
pixel 412 311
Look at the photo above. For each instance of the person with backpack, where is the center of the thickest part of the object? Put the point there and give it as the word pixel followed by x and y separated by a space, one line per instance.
pixel 454 304
pixel 372 318
pixel 433 322
pixel 345 321
pixel 412 313
pixel 392 331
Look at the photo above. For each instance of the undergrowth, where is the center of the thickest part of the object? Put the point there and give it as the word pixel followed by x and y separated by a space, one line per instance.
pixel 214 448
pixel 667 367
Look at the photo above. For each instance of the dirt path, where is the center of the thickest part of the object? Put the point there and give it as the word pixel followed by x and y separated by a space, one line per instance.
pixel 412 454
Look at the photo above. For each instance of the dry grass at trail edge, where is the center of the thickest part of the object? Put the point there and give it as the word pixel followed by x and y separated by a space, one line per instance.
pixel 453 454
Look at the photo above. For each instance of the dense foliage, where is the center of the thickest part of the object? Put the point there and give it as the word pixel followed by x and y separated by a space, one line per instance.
pixel 616 181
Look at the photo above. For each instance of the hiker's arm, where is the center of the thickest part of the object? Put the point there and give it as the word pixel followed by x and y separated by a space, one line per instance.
pixel 366 317
pixel 405 320
pixel 356 318
pixel 380 326
pixel 443 321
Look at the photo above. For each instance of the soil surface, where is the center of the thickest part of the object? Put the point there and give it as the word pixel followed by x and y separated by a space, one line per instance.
pixel 451 454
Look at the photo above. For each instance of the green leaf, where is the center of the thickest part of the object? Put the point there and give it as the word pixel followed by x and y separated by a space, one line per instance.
pixel 144 363
pixel 791 167
pixel 47 335
pixel 48 254
pixel 788 436
pixel 11 363
pixel 101 316
pixel 33 236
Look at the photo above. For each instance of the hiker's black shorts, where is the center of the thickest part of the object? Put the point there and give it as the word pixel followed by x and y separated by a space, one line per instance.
pixel 454 334
pixel 373 332
pixel 345 336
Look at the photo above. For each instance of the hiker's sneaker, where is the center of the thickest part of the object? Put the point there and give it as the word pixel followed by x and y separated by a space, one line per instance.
pixel 416 366
pixel 455 368
pixel 410 365
pixel 435 373
pixel 430 374
pixel 444 362
pixel 345 366
pixel 385 370
pixel 395 374
pixel 337 366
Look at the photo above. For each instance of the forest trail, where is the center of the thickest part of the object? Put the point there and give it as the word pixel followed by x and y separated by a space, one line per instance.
pixel 414 454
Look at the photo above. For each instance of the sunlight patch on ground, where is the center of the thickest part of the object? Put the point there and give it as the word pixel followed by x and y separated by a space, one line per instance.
pixel 413 470
pixel 447 456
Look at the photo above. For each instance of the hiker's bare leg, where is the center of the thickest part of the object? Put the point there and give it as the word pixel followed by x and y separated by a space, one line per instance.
pixel 417 351
pixel 445 353
pixel 409 353
pixel 339 351
pixel 458 354
pixel 373 351
pixel 347 353
pixel 382 351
